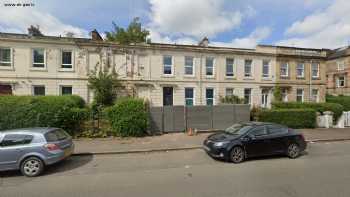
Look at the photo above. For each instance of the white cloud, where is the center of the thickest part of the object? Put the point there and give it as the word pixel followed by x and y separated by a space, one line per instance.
pixel 250 41
pixel 197 18
pixel 18 19
pixel 327 28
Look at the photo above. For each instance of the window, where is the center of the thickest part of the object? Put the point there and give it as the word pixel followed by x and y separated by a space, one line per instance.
pixel 300 95
pixel 258 131
pixel 189 66
pixel 168 96
pixel 209 95
pixel 284 70
pixel 264 98
pixel 266 68
pixel 314 95
pixel 209 66
pixel 284 94
pixel 229 67
pixel 341 65
pixel 315 69
pixel 229 91
pixel 39 58
pixel 168 65
pixel 189 96
pixel 300 70
pixel 56 135
pixel 66 90
pixel 248 68
pixel 39 90
pixel 16 139
pixel 276 129
pixel 341 82
pixel 247 95
pixel 67 60
pixel 5 57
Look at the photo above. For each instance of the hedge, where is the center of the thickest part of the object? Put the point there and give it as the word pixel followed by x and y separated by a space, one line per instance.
pixel 342 100
pixel 128 117
pixel 65 112
pixel 294 118
pixel 337 109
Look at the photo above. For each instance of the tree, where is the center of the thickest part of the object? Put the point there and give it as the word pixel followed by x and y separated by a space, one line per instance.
pixel 103 83
pixel 34 31
pixel 133 34
pixel 277 94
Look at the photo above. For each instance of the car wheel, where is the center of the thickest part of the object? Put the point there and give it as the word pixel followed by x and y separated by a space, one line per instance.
pixel 237 154
pixel 293 151
pixel 32 167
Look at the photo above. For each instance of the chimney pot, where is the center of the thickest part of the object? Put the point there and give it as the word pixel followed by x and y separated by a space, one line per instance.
pixel 95 36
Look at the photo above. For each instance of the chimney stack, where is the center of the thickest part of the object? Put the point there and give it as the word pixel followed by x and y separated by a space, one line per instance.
pixel 95 36
pixel 204 42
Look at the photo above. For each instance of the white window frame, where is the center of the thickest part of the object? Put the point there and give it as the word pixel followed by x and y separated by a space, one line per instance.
pixel 233 68
pixel 11 60
pixel 338 82
pixel 72 60
pixel 33 86
pixel 303 73
pixel 251 68
pixel 206 103
pixel 317 98
pixel 268 68
pixel 250 95
pixel 172 65
pixel 302 96
pixel 340 65
pixel 193 66
pixel 61 86
pixel 287 69
pixel 233 91
pixel 193 98
pixel 213 67
pixel 284 93
pixel 318 70
pixel 32 55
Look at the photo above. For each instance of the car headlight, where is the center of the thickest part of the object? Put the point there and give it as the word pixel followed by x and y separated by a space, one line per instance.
pixel 219 144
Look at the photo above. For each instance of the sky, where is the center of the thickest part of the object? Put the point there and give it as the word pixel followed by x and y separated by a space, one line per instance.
pixel 229 23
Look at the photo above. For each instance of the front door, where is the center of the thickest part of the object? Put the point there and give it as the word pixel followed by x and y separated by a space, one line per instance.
pixel 167 96
pixel 259 143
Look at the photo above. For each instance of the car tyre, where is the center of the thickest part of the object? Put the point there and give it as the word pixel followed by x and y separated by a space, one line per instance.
pixel 237 154
pixel 293 151
pixel 32 167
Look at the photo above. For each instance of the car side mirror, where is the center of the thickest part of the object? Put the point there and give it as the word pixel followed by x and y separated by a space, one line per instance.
pixel 246 138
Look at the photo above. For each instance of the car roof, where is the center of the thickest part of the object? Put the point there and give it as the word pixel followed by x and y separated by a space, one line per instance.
pixel 259 123
pixel 41 130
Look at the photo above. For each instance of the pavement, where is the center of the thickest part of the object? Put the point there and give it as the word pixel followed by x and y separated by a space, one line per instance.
pixel 180 141
pixel 323 171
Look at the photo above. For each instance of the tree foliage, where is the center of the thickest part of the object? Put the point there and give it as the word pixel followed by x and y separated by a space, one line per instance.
pixel 277 93
pixel 133 34
pixel 232 100
pixel 35 31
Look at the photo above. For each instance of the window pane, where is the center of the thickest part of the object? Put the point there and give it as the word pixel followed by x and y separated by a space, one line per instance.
pixel 38 56
pixel 247 68
pixel 39 90
pixel 66 90
pixel 5 55
pixel 66 59
pixel 167 70
pixel 188 92
pixel 247 96
pixel 229 91
pixel 189 102
pixel 209 64
pixel 56 135
pixel 229 67
pixel 189 65
pixel 167 60
pixel 259 131
pixel 266 68
pixel 209 93
pixel 16 139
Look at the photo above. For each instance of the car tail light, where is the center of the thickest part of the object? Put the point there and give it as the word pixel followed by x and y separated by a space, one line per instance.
pixel 51 147
pixel 302 137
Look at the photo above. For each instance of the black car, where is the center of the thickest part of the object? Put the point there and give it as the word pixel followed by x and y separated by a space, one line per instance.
pixel 252 139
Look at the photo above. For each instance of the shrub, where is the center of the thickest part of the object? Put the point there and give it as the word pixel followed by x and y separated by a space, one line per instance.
pixel 294 118
pixel 232 100
pixel 128 117
pixel 42 111
pixel 337 109
pixel 342 100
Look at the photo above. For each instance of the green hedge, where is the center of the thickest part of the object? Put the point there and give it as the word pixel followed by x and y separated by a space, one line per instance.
pixel 42 111
pixel 337 109
pixel 128 117
pixel 294 118
pixel 342 100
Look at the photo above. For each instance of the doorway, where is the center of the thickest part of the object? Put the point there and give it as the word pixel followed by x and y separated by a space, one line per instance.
pixel 167 96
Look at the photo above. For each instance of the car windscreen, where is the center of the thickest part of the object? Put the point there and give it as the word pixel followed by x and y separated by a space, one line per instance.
pixel 238 129
pixel 56 135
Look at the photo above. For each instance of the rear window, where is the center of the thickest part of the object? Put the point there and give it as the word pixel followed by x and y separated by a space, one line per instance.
pixel 16 140
pixel 56 135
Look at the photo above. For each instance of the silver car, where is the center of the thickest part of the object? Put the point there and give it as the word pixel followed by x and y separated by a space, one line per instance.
pixel 31 149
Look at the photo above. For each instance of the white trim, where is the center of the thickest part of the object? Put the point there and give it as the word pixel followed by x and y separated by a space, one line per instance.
pixel 38 85
pixel 302 96
pixel 250 95
pixel 172 66
pixel 318 71
pixel 72 61
pixel 317 96
pixel 251 68
pixel 193 66
pixel 205 62
pixel 269 69
pixel 229 88
pixel 194 95
pixel 342 62
pixel 233 68
pixel 206 88
pixel 61 86
pixel 338 82
pixel 302 76
pixel 11 67
pixel 32 58
pixel 287 73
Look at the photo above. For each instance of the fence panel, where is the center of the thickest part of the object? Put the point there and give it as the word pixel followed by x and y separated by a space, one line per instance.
pixel 242 113
pixel 156 120
pixel 199 117
pixel 174 118
pixel 223 116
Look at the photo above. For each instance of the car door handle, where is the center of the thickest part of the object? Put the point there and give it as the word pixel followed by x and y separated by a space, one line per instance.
pixel 19 149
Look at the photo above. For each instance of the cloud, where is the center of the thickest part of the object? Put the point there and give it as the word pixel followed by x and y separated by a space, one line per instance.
pixel 258 35
pixel 328 28
pixel 18 19
pixel 196 18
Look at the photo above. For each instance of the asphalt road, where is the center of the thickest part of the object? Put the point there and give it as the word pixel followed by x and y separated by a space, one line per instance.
pixel 323 171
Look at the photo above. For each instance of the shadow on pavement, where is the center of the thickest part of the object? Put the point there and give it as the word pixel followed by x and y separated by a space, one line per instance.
pixel 69 164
